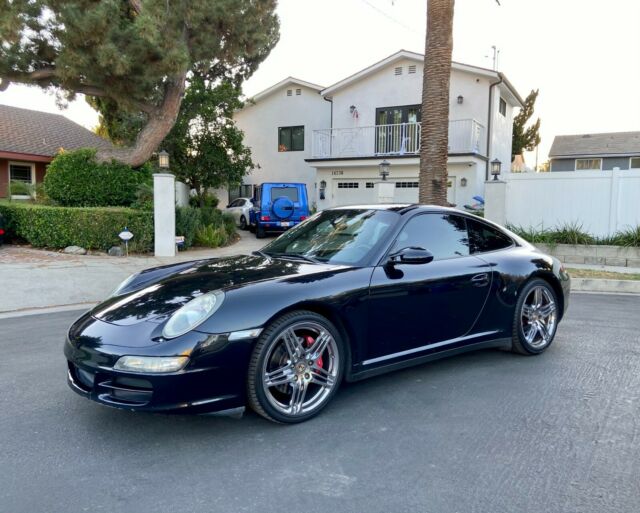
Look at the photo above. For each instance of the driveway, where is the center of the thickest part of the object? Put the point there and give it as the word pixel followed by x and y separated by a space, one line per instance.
pixel 36 278
pixel 485 432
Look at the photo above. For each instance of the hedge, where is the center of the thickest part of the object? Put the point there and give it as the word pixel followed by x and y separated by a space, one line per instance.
pixel 76 179
pixel 90 228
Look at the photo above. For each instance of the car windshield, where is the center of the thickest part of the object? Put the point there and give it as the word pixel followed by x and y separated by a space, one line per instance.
pixel 344 236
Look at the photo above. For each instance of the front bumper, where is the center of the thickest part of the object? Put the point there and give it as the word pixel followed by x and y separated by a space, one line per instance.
pixel 213 380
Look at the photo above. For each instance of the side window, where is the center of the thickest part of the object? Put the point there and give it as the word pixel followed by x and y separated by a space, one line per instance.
pixel 445 235
pixel 235 203
pixel 483 237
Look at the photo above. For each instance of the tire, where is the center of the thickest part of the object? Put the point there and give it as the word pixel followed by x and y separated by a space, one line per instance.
pixel 535 319
pixel 260 233
pixel 252 228
pixel 297 390
pixel 243 223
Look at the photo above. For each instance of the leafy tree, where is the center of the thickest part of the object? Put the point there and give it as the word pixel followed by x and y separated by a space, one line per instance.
pixel 206 147
pixel 134 53
pixel 525 138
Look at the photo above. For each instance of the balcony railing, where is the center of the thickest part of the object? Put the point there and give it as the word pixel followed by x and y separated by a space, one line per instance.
pixel 465 136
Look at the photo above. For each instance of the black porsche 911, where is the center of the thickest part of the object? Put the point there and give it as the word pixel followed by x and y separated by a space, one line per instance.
pixel 350 293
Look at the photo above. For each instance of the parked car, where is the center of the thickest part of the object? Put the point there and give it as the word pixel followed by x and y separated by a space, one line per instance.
pixel 278 207
pixel 240 210
pixel 351 293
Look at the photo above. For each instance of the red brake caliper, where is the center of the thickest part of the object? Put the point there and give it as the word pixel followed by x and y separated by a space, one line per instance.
pixel 309 340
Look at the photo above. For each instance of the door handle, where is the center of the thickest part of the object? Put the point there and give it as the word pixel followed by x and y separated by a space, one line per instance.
pixel 480 280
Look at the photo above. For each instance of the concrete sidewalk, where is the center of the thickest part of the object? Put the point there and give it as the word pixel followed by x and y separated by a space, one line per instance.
pixel 31 278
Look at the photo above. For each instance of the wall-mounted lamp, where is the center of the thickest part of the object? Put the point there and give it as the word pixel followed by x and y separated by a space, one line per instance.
pixel 384 169
pixel 463 182
pixel 495 168
pixel 352 109
pixel 323 188
pixel 460 99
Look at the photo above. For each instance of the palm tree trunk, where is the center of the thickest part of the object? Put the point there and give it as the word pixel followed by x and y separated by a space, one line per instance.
pixel 434 138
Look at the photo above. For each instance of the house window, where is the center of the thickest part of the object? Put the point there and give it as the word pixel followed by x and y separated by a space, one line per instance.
pixel 291 138
pixel 588 164
pixel 348 185
pixel 21 173
pixel 406 185
pixel 502 107
pixel 369 185
pixel 634 163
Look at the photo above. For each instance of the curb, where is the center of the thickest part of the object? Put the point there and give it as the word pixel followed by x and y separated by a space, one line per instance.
pixel 602 285
pixel 47 310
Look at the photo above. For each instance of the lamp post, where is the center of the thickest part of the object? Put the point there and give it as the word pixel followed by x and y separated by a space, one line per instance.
pixel 384 169
pixel 164 208
pixel 495 168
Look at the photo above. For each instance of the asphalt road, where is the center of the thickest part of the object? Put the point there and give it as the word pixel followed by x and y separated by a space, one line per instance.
pixel 485 432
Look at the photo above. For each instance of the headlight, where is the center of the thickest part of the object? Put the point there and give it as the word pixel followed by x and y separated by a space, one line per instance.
pixel 123 285
pixel 151 364
pixel 194 313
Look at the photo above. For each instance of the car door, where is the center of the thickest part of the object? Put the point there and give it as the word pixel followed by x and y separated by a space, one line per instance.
pixel 416 307
pixel 235 210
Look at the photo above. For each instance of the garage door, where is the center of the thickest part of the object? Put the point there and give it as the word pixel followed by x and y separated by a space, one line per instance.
pixel 354 192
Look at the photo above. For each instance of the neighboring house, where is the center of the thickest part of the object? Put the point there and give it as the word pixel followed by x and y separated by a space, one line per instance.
pixel 595 152
pixel 375 114
pixel 29 140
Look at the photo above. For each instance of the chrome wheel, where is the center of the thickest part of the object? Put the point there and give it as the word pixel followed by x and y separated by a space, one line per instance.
pixel 538 317
pixel 301 369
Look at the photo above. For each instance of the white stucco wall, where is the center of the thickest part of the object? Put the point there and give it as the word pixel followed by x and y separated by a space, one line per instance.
pixel 260 123
pixel 385 89
pixel 501 130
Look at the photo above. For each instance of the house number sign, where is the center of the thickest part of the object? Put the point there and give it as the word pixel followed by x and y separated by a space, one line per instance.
pixel 337 173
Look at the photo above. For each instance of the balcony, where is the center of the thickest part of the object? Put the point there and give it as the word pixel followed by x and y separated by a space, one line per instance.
pixel 465 136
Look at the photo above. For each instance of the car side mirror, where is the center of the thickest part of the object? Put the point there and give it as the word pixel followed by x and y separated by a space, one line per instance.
pixel 228 205
pixel 410 255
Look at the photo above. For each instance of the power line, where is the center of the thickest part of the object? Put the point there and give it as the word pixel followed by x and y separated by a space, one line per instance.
pixel 380 11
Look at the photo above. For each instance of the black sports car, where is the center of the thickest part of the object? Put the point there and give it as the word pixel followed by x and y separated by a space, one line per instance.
pixel 350 293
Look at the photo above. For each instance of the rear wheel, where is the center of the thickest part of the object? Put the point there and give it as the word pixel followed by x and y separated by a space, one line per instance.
pixel 536 318
pixel 260 232
pixel 243 223
pixel 295 368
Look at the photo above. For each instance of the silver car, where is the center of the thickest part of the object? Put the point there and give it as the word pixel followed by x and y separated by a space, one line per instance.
pixel 239 209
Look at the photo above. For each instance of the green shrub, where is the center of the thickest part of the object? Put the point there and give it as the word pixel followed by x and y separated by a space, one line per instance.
pixel 76 179
pixel 628 237
pixel 204 201
pixel 210 236
pixel 572 233
pixel 144 197
pixel 90 228
pixel 17 188
pixel 187 223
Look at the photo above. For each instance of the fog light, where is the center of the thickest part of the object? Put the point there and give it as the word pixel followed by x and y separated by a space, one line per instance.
pixel 151 364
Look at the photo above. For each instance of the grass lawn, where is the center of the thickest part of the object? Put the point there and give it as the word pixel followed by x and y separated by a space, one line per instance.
pixel 605 275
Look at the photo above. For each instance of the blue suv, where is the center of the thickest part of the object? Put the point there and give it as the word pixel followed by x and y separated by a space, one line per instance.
pixel 277 207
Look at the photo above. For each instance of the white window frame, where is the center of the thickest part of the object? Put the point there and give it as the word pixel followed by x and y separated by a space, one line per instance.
pixel 575 164
pixel 32 165
pixel 631 160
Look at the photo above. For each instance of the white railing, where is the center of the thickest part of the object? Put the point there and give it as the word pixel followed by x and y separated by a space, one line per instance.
pixel 465 136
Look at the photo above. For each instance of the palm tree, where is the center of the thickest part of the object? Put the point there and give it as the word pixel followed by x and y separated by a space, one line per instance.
pixel 434 138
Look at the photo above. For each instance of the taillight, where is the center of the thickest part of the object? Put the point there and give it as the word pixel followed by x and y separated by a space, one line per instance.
pixel 1 231
pixel 265 218
pixel 302 218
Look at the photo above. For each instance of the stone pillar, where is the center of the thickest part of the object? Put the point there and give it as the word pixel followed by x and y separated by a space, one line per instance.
pixel 385 191
pixel 495 201
pixel 164 214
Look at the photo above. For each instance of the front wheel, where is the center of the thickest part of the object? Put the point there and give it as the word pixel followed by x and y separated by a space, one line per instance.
pixel 536 318
pixel 295 368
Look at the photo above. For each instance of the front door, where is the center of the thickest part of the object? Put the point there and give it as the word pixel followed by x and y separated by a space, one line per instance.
pixel 414 306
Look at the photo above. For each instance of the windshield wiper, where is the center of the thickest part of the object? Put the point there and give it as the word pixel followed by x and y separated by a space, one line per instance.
pixel 297 256
pixel 262 254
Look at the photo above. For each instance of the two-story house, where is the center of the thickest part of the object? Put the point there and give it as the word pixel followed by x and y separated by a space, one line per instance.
pixel 349 127
pixel 595 152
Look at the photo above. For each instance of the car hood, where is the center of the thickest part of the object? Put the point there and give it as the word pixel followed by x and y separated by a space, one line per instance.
pixel 159 299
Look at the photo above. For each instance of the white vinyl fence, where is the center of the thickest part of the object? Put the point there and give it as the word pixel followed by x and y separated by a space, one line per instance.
pixel 603 202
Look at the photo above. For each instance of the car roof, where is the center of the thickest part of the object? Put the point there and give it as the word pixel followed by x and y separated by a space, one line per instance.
pixel 398 207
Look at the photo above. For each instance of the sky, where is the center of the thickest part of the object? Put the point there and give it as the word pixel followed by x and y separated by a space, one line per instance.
pixel 583 55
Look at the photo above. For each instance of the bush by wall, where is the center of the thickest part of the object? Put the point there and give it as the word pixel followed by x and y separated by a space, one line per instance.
pixel 90 228
pixel 573 233
pixel 207 227
pixel 76 179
